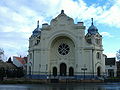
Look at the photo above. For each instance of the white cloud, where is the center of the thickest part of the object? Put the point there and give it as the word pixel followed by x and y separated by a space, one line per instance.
pixel 106 34
pixel 20 16
pixel 107 14
pixel 111 16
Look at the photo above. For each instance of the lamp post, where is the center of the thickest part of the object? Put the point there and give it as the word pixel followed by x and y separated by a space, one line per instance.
pixel 84 69
pixel 39 68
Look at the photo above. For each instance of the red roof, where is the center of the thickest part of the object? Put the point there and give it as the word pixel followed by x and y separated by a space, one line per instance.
pixel 21 60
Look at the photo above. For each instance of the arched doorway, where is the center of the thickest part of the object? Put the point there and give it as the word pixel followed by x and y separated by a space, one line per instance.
pixel 98 71
pixel 63 69
pixel 29 70
pixel 54 71
pixel 71 71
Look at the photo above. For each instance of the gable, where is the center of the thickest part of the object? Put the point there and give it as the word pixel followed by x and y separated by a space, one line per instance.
pixel 62 20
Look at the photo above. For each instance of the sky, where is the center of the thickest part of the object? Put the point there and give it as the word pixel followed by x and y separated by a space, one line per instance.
pixel 18 18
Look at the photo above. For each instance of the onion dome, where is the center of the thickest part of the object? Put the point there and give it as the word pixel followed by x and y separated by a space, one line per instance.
pixel 37 30
pixel 92 29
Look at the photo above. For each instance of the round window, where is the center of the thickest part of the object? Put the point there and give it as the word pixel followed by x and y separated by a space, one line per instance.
pixel 63 49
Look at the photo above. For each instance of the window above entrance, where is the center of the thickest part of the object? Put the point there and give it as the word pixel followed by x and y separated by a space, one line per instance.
pixel 63 49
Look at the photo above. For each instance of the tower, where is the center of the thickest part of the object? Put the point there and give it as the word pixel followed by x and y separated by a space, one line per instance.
pixel 93 36
pixel 94 41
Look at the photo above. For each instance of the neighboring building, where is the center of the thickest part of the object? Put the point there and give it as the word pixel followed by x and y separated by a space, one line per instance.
pixel 7 66
pixel 9 70
pixel 62 49
pixel 118 68
pixel 110 67
pixel 19 61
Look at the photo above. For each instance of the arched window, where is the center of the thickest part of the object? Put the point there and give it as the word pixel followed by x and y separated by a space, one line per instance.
pixel 98 55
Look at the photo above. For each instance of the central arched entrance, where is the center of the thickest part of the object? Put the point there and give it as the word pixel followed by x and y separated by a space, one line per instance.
pixel 62 51
pixel 63 69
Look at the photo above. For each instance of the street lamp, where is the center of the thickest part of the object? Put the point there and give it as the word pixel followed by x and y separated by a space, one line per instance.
pixel 84 69
pixel 39 68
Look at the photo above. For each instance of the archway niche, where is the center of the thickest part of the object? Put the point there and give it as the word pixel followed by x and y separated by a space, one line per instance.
pixel 98 71
pixel 71 71
pixel 54 71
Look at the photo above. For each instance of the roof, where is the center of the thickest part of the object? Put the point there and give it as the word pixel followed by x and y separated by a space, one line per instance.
pixel 92 29
pixel 37 30
pixel 10 66
pixel 25 58
pixel 63 19
pixel 110 61
pixel 7 65
pixel 21 60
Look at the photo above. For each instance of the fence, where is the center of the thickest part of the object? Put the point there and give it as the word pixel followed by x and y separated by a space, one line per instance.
pixel 76 75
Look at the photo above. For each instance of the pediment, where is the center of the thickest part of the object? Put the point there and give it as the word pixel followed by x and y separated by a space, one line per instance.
pixel 62 19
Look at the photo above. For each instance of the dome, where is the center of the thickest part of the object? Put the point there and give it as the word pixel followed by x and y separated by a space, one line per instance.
pixel 92 29
pixel 37 30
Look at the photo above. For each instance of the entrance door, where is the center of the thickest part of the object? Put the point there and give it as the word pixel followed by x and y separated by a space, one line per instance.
pixel 71 71
pixel 110 72
pixel 29 70
pixel 98 72
pixel 63 69
pixel 54 71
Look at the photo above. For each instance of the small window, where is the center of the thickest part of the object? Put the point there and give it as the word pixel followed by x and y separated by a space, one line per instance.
pixel 37 41
pixel 98 55
pixel 39 37
pixel 30 55
pixel 97 41
pixel 89 41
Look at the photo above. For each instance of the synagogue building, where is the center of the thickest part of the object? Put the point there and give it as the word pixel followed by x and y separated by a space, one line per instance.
pixel 61 49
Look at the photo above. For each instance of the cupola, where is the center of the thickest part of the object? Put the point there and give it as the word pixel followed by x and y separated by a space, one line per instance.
pixel 92 29
pixel 37 30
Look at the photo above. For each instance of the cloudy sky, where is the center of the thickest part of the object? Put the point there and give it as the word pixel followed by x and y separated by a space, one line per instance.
pixel 18 18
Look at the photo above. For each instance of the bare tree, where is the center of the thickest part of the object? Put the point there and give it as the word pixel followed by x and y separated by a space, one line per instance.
pixel 1 54
pixel 118 55
pixel 9 60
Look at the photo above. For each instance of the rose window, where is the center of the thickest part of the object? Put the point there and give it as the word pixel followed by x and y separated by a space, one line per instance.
pixel 63 49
